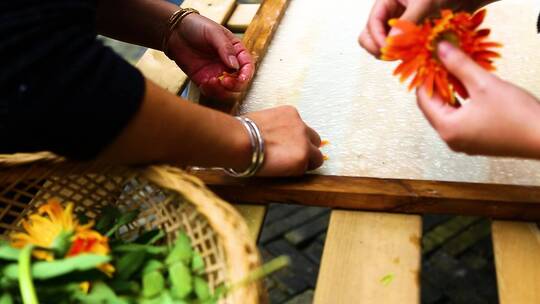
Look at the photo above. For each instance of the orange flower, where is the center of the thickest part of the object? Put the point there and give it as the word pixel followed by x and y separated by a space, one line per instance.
pixel 50 224
pixel 416 47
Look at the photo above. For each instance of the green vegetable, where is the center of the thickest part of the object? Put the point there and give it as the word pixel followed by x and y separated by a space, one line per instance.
pixel 129 263
pixel 181 251
pixel 106 220
pixel 46 270
pixel 150 237
pixel 26 285
pixel 153 265
pixel 387 279
pixel 100 293
pixel 201 288
pixel 125 218
pixel 139 247
pixel 181 280
pixel 8 253
pixel 153 283
pixel 197 263
pixel 6 299
pixel 62 243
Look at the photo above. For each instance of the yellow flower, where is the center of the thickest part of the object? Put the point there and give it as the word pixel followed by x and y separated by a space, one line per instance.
pixel 50 224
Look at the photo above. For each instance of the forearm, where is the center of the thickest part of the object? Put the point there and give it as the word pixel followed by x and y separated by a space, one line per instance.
pixel 135 21
pixel 170 130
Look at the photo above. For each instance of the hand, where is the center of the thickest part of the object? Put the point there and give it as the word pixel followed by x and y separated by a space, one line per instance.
pixel 501 119
pixel 374 35
pixel 204 50
pixel 292 147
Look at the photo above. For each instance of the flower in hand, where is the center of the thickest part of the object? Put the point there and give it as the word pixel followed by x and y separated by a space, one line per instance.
pixel 416 46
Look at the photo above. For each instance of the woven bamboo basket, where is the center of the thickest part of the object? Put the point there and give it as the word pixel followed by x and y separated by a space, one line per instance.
pixel 167 197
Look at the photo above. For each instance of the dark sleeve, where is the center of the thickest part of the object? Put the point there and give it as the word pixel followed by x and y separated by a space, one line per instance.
pixel 61 89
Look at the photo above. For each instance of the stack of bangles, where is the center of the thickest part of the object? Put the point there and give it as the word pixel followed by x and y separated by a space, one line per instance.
pixel 257 146
pixel 175 19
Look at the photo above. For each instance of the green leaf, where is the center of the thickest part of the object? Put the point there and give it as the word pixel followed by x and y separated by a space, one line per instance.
pixel 45 270
pixel 100 293
pixel 153 284
pixel 9 253
pixel 201 288
pixel 62 243
pixel 181 280
pixel 150 237
pixel 387 279
pixel 181 251
pixel 129 263
pixel 11 271
pixel 6 299
pixel 26 284
pixel 107 217
pixel 125 218
pixel 153 265
pixel 197 263
pixel 138 247
pixel 130 287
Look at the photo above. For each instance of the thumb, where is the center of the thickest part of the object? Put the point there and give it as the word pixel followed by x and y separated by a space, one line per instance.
pixel 225 49
pixel 462 66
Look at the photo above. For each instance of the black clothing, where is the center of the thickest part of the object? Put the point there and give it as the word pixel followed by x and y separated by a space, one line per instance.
pixel 60 89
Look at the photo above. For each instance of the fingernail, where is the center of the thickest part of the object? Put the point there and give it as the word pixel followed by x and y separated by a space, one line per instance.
pixel 444 48
pixel 394 31
pixel 233 62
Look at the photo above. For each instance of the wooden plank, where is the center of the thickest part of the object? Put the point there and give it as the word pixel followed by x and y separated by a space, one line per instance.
pixel 254 216
pixel 242 16
pixel 390 195
pixel 517 258
pixel 370 258
pixel 257 38
pixel 163 71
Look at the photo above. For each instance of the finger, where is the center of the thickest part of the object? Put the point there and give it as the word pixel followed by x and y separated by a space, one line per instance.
pixel 377 23
pixel 434 108
pixel 213 89
pixel 225 48
pixel 316 158
pixel 314 137
pixel 367 42
pixel 415 12
pixel 462 66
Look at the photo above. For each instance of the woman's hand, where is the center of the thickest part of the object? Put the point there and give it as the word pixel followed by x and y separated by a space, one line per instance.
pixel 204 50
pixel 374 34
pixel 501 119
pixel 292 147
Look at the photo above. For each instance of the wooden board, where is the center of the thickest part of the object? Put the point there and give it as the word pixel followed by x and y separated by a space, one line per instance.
pixel 361 249
pixel 391 195
pixel 373 124
pixel 163 71
pixel 254 216
pixel 516 247
pixel 242 16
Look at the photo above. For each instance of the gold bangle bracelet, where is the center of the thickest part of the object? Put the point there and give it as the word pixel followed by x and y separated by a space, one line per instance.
pixel 175 19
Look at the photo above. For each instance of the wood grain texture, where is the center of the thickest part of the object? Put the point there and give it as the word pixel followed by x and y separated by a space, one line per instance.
pixel 254 216
pixel 373 123
pixel 390 195
pixel 257 38
pixel 362 248
pixel 242 16
pixel 516 247
pixel 163 71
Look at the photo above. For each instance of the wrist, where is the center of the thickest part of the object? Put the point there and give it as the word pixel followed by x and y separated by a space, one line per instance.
pixel 239 147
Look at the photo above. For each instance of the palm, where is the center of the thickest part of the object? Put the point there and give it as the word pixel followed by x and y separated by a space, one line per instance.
pixel 202 49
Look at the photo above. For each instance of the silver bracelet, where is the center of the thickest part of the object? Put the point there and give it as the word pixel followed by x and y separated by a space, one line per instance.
pixel 257 146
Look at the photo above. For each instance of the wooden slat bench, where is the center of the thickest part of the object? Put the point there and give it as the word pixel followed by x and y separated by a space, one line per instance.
pixel 371 257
